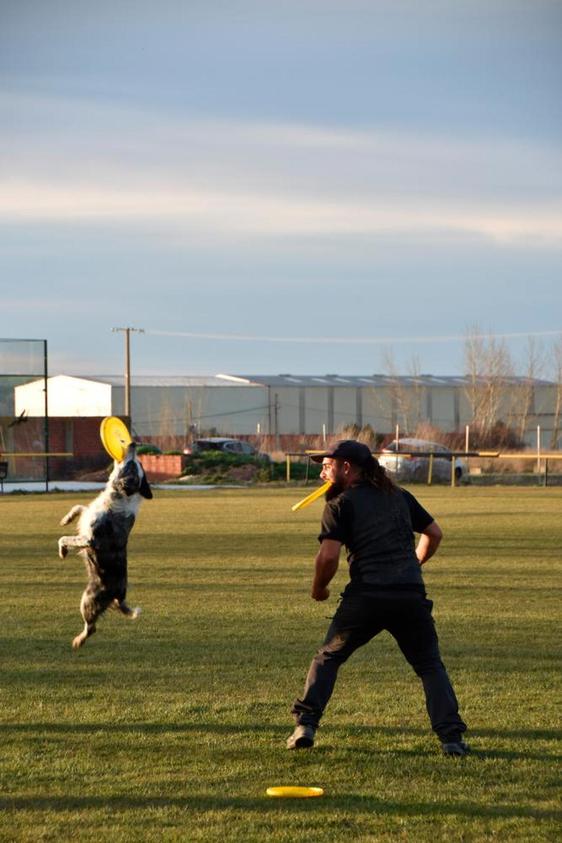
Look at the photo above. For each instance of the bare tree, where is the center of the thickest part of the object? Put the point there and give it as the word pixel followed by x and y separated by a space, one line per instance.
pixel 557 362
pixel 406 397
pixel 417 392
pixel 167 423
pixel 194 404
pixel 523 395
pixel 488 368
pixel 366 434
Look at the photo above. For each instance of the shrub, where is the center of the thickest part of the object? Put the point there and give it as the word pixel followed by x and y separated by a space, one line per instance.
pixel 148 449
pixel 219 465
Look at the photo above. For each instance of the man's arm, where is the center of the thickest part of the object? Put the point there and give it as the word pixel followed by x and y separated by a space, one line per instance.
pixel 326 565
pixel 430 539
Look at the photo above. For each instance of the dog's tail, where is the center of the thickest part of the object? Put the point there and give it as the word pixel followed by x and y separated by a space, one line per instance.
pixel 72 514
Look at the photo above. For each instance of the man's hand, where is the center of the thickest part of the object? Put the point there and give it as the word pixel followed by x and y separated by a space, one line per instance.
pixel 326 565
pixel 429 542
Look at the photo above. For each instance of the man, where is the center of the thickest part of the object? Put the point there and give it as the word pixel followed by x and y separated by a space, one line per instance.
pixel 376 521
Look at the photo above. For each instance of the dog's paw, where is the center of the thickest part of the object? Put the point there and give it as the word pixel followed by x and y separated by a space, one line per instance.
pixel 63 549
pixel 78 641
pixel 135 613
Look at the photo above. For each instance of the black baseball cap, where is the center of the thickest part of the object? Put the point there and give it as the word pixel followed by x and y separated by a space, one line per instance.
pixel 349 450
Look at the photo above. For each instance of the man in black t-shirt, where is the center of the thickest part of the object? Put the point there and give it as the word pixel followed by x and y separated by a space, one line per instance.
pixel 376 522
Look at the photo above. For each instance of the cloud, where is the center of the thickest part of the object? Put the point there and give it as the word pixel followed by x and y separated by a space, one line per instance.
pixel 53 304
pixel 252 178
pixel 119 145
pixel 276 215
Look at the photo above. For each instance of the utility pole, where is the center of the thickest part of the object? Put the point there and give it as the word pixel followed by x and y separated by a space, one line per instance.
pixel 276 417
pixel 46 418
pixel 269 425
pixel 127 333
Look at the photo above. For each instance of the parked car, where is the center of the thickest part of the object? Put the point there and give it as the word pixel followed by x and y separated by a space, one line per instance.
pixel 227 446
pixel 400 458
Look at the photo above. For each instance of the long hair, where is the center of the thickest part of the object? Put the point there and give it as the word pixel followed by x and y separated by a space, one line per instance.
pixel 376 475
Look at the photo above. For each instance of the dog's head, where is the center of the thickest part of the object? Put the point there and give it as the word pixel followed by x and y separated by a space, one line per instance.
pixel 128 477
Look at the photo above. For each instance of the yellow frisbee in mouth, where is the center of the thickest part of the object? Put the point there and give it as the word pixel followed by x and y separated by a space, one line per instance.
pixel 294 792
pixel 317 493
pixel 115 437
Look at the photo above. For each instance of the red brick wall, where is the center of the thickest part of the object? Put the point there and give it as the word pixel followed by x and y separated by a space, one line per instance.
pixel 80 436
pixel 161 466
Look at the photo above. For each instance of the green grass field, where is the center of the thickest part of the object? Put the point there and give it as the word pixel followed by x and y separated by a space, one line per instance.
pixel 172 727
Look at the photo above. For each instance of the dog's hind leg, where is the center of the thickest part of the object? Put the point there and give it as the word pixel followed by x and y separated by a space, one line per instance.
pixel 72 514
pixel 122 607
pixel 90 611
pixel 80 639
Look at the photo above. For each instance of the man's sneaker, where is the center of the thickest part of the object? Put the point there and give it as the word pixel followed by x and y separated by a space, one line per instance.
pixel 302 738
pixel 458 748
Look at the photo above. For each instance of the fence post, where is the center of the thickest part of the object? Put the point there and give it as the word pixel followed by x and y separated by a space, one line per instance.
pixel 539 451
pixel 288 463
pixel 430 470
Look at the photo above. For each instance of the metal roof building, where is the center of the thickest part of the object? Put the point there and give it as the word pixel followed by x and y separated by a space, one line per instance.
pixel 293 405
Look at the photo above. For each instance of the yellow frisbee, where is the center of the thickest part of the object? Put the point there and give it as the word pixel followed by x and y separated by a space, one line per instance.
pixel 292 792
pixel 317 493
pixel 115 437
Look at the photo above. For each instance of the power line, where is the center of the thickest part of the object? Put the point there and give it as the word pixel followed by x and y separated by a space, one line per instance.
pixel 349 340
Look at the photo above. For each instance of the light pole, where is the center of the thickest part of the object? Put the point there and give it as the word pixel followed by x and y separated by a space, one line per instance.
pixel 127 332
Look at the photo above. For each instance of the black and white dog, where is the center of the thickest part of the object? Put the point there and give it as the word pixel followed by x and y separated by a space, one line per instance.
pixel 103 533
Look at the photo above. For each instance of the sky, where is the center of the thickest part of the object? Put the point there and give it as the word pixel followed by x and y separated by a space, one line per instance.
pixel 321 186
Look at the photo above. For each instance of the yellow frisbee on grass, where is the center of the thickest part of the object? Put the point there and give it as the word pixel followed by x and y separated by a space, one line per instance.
pixel 115 437
pixel 294 792
pixel 317 493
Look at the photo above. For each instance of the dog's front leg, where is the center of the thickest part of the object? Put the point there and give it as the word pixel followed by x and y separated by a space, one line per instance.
pixel 72 514
pixel 79 542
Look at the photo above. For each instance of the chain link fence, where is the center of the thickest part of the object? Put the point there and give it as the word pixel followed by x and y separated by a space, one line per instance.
pixel 24 431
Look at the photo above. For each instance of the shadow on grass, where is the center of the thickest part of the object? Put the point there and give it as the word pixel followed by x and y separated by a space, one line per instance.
pixel 357 739
pixel 353 731
pixel 343 802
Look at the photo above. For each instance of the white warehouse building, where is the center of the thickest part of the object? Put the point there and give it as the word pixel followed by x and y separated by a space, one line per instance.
pixel 289 405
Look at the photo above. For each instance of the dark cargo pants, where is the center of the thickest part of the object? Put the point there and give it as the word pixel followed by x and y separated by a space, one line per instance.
pixel 359 618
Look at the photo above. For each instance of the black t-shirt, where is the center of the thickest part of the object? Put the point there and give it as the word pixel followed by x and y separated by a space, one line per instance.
pixel 377 529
